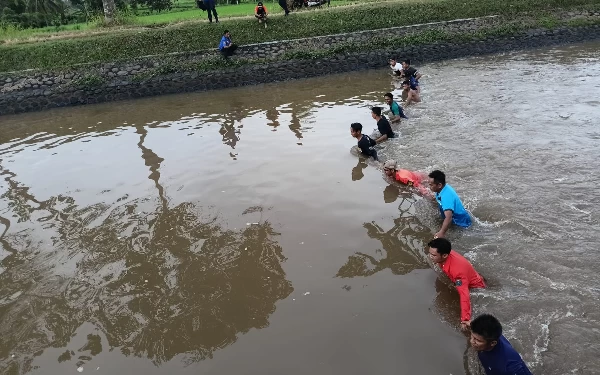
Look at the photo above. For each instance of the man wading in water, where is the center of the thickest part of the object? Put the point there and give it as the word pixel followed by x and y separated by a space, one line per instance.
pixel 495 353
pixel 395 108
pixel 382 124
pixel 365 143
pixel 451 208
pixel 461 273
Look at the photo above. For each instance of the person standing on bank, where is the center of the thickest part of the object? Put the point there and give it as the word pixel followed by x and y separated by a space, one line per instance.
pixel 382 124
pixel 495 353
pixel 461 273
pixel 210 6
pixel 226 47
pixel 283 5
pixel 451 207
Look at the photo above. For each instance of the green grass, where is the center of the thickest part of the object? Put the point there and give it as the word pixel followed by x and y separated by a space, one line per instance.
pixel 198 36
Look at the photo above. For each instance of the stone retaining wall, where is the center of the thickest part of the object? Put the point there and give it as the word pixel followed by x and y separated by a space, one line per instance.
pixel 29 91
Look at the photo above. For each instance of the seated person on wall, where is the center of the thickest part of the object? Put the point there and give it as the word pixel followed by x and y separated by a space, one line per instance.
pixel 226 47
pixel 412 92
pixel 261 13
pixel 395 108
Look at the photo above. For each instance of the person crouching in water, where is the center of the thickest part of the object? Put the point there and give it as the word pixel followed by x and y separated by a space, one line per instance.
pixel 413 95
pixel 405 176
pixel 365 143
pixel 395 108
pixel 261 13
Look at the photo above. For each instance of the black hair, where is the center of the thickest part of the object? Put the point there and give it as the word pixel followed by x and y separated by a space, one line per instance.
pixel 442 245
pixel 407 82
pixel 389 94
pixel 407 61
pixel 260 4
pixel 393 58
pixel 225 32
pixel 487 326
pixel 376 110
pixel 356 127
pixel 438 177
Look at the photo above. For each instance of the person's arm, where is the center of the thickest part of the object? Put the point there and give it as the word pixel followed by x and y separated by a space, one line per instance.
pixel 462 287
pixel 446 224
pixel 417 76
pixel 383 138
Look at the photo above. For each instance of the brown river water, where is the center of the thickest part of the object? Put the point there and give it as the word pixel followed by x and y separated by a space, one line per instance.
pixel 237 232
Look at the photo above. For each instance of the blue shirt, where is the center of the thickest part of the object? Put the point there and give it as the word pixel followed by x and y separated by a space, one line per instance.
pixel 225 41
pixel 448 200
pixel 503 360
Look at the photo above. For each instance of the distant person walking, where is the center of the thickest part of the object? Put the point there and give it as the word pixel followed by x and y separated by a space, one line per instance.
pixel 210 6
pixel 284 6
pixel 495 353
pixel 451 208
pixel 226 47
pixel 459 271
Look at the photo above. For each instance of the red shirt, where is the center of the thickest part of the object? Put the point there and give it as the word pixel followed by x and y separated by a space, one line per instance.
pixel 408 178
pixel 464 277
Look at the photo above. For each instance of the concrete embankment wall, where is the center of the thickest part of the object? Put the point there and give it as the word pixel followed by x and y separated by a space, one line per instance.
pixel 27 91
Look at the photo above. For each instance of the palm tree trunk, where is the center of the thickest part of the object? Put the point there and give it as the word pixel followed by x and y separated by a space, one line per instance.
pixel 109 10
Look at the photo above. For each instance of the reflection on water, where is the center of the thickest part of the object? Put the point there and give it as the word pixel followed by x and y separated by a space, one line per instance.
pixel 249 240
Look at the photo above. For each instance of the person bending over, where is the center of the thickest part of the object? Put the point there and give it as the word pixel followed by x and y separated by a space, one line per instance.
pixel 382 124
pixel 461 273
pixel 395 108
pixel 365 143
pixel 451 207
pixel 261 13
pixel 405 176
pixel 412 92
pixel 495 353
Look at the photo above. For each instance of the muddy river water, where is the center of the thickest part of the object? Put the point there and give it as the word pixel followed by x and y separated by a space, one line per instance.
pixel 237 232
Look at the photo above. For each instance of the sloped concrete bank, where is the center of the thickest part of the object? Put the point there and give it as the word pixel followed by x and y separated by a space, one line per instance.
pixel 273 62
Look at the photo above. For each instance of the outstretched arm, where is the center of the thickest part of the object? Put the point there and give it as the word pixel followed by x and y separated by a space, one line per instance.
pixel 446 224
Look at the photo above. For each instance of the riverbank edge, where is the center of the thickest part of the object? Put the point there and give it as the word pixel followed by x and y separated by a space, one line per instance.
pixel 434 46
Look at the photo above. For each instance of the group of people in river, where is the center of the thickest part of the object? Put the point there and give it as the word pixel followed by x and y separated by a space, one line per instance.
pixel 495 353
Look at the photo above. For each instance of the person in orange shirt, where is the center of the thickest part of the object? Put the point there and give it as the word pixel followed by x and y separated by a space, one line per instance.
pixel 261 13
pixel 461 273
pixel 405 176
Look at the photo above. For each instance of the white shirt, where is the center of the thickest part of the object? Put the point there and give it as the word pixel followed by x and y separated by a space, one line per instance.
pixel 397 67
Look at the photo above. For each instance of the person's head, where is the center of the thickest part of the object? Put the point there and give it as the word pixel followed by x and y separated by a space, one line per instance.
pixel 260 4
pixel 485 332
pixel 389 98
pixel 406 85
pixel 439 249
pixel 406 64
pixel 393 61
pixel 437 181
pixel 227 33
pixel 376 112
pixel 389 167
pixel 356 130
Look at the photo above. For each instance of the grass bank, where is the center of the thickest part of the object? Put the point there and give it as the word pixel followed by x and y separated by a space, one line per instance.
pixel 198 36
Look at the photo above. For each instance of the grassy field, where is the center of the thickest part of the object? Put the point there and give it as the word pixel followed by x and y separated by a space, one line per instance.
pixel 191 36
pixel 183 11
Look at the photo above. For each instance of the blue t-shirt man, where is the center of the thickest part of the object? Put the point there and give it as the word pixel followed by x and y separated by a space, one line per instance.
pixel 225 41
pixel 503 359
pixel 448 200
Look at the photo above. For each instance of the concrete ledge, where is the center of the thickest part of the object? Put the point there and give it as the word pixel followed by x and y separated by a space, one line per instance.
pixel 46 91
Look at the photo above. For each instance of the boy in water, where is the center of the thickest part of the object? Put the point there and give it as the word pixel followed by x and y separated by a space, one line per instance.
pixel 260 12
pixel 495 353
pixel 395 108
pixel 412 91
pixel 408 72
pixel 382 124
pixel 404 176
pixel 451 207
pixel 365 143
